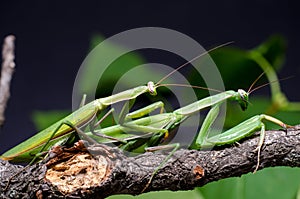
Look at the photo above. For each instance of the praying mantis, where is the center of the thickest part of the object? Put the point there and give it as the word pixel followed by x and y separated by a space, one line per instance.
pixel 61 131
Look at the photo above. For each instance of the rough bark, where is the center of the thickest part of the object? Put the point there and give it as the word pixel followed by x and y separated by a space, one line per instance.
pixel 75 173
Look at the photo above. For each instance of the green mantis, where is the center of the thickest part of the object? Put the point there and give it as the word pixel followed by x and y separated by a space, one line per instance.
pixel 61 130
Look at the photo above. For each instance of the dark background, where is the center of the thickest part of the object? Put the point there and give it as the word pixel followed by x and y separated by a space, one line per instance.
pixel 53 39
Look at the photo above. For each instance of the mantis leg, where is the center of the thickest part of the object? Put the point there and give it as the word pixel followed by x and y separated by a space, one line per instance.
pixel 205 128
pixel 83 100
pixel 244 129
pixel 125 109
pixel 175 146
pixel 93 125
pixel 158 124
pixel 159 127
pixel 145 129
pixel 37 155
pixel 146 110
pixel 123 118
pixel 125 115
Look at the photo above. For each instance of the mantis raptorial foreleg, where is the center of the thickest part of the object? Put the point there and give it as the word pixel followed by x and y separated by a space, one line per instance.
pixel 146 110
pixel 139 114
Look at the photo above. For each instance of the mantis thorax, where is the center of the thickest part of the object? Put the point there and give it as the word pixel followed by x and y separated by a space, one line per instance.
pixel 243 99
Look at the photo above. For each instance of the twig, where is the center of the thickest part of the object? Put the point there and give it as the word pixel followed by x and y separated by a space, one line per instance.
pixel 74 173
pixel 8 66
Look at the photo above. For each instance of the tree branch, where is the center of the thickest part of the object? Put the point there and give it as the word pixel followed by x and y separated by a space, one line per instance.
pixel 8 66
pixel 75 173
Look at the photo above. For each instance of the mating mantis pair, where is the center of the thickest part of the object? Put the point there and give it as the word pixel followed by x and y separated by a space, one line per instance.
pixel 157 125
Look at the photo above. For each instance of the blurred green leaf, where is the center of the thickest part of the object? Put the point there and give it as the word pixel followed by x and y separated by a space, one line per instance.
pixel 43 119
pixel 123 66
pixel 235 66
pixel 239 70
pixel 274 50
pixel 162 194
pixel 298 194
pixel 273 183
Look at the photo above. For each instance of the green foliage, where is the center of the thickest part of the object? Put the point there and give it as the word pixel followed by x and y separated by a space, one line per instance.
pixel 273 183
pixel 163 194
pixel 43 119
pixel 239 68
pixel 115 70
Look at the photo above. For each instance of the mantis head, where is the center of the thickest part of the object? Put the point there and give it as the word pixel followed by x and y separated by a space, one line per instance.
pixel 243 99
pixel 152 88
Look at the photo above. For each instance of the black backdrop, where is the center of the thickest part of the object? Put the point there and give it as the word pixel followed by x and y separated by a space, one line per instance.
pixel 53 39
